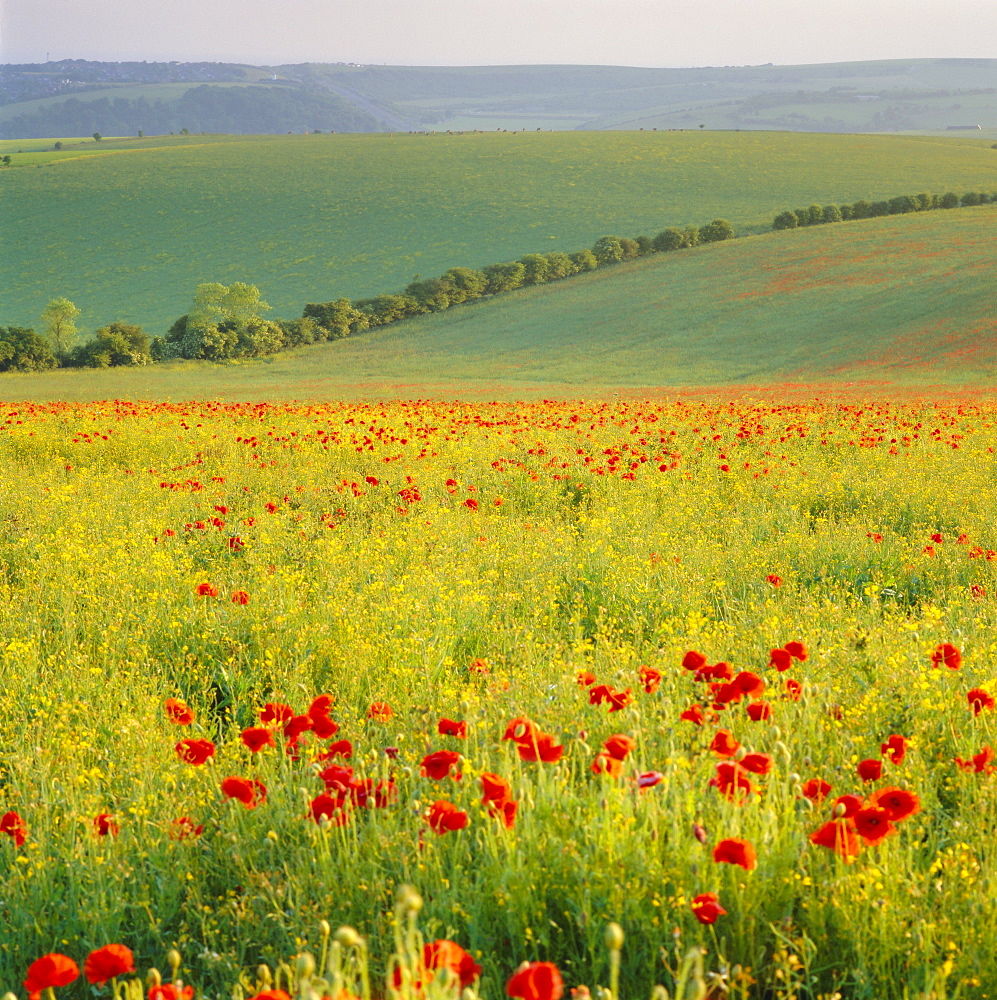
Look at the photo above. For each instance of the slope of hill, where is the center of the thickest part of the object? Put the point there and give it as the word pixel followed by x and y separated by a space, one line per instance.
pixel 904 301
pixel 129 233
pixel 911 94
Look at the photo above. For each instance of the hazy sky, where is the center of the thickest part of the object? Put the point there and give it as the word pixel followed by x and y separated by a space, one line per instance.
pixel 473 32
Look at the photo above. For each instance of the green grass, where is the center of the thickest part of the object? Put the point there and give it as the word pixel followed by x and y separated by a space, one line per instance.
pixel 309 218
pixel 900 301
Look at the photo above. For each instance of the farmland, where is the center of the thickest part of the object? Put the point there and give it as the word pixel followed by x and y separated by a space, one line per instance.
pixel 556 562
pixel 130 233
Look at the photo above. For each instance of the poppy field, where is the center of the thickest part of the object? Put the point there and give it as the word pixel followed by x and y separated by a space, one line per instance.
pixel 690 694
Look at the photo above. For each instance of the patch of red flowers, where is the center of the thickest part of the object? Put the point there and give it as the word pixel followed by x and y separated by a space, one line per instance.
pixel 734 851
pixel 948 655
pixel 15 827
pixel 178 712
pixel 248 791
pixel 109 962
pixel 195 752
pixel 49 972
pixel 444 817
pixel 537 981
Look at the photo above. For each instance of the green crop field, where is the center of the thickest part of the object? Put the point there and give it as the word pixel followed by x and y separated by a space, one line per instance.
pixel 901 301
pixel 128 235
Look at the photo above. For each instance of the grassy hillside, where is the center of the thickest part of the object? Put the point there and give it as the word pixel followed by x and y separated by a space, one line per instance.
pixel 129 233
pixel 900 301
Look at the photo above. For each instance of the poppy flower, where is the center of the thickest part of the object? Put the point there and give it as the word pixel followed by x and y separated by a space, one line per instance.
pixel 337 776
pixel 385 793
pixel 781 659
pixel 206 590
pixel 257 737
pixel 725 694
pixel 447 727
pixel 948 655
pixel 105 825
pixel 538 981
pixel 604 764
pixel 757 763
pixel 748 683
pixel 721 671
pixel 168 991
pixel 980 763
pixel 650 678
pixel 323 727
pixel 870 770
pixel 48 972
pixel 195 752
pixel 248 791
pixel 297 725
pixel 449 955
pixel 320 707
pixel 897 802
pixel 839 836
pixel 109 962
pixel 724 744
pixel 694 714
pixel 693 660
pixel 240 597
pixel 444 816
pixel 706 908
pixel 440 764
pixel 380 711
pixel 541 748
pixel 648 779
pixel 619 745
pixel 520 730
pixel 979 700
pixel 895 749
pixel 873 824
pixel 15 827
pixel 178 712
pixel 848 805
pixel 774 580
pixel 732 782
pixel 937 538
pixel 184 827
pixel 793 690
pixel 275 713
pixel 341 748
pixel 586 678
pixel 326 806
pixel 759 711
pixel 495 788
pixel 734 851
pixel 797 650
pixel 815 789
pixel 603 693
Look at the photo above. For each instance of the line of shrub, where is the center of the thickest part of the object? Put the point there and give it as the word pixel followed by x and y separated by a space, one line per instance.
pixel 817 215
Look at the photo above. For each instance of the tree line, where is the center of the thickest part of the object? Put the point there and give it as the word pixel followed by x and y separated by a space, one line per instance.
pixel 226 322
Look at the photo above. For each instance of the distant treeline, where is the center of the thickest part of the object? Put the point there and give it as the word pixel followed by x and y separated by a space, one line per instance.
pixel 274 108
pixel 227 323
pixel 817 215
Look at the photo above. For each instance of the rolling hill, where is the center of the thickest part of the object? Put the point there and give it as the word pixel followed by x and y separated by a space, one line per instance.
pixel 127 229
pixel 867 306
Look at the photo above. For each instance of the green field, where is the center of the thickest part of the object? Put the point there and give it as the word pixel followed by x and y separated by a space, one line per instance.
pixel 895 302
pixel 308 218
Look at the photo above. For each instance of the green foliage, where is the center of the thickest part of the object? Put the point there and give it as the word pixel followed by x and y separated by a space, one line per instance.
pixel 671 239
pixel 503 277
pixel 465 284
pixel 560 265
pixel 583 260
pixel 716 231
pixel 238 303
pixel 22 350
pixel 832 214
pixel 536 268
pixel 786 220
pixel 608 250
pixel 59 318
pixel 112 345
pixel 338 318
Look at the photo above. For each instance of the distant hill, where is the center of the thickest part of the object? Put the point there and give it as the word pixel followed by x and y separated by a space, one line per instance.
pixel 77 97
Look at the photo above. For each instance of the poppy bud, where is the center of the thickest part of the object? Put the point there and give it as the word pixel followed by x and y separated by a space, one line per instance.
pixel 468 994
pixel 783 749
pixel 739 754
pixel 794 778
pixel 263 975
pixel 614 936
pixel 272 835
pixel 774 732
pixel 659 993
pixel 699 832
pixel 153 978
pixel 304 966
pixel 409 899
pixel 445 978
pixel 348 937
pixel 324 929
pixel 838 811
pixel 806 804
pixel 173 960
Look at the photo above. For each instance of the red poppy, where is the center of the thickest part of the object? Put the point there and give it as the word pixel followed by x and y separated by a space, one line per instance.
pixel 326 806
pixel 520 730
pixel 444 816
pixel 757 763
pixel 724 744
pixel 495 789
pixel 706 908
pixel 732 782
pixel 693 714
pixel 297 725
pixel 206 590
pixel 337 776
pixel 897 802
pixel 815 789
pixel 105 825
pixel 341 748
pixel 248 791
pixel 604 764
pixel 586 678
pixel 538 981
pixel 195 752
pixel 184 827
pixel 257 737
pixel 773 579
pixel 895 749
pixel 168 991
pixel 449 955
pixel 240 597
pixel 603 693
pixel 980 763
pixel 109 962
pixel 793 690
pixel 721 671
pixel 734 851
pixel 650 678
pixel 320 707
pixel 693 660
pixel 979 700
pixel 873 824
pixel 759 711
pixel 749 684
pixel 323 727
pixel 781 659
pixel 385 793
pixel 619 745
pixel 848 805
pixel 447 727
pixel 440 764
pixel 797 650
pixel 839 836
pixel 48 972
pixel 870 770
pixel 937 538
pixel 15 827
pixel 275 713
pixel 541 748
pixel 471 503
pixel 178 712
pixel 948 654
pixel 380 711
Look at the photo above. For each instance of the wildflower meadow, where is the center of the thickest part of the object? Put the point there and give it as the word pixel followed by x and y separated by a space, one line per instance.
pixel 689 697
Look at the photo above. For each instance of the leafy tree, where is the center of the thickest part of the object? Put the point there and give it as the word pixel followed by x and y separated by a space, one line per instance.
pixel 338 319
pixel 298 332
pixel 645 246
pixel 23 350
pixel 970 198
pixel 607 250
pixel 879 208
pixel 861 209
pixel 216 303
pixel 846 212
pixel 258 338
pixel 6 160
pixel 59 317
pixel 465 284
pixel 386 308
pixel 715 231
pixel 786 220
pixel 949 200
pixel 97 137
pixel 832 213
pixel 583 260
pixel 670 239
pixel 902 204
pixel 432 295
pixel 560 265
pixel 691 236
pixel 926 201
pixel 630 248
pixel 536 268
pixel 115 344
pixel 503 277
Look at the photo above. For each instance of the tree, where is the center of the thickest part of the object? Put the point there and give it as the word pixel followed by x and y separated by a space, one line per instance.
pixel 465 284
pixel 97 137
pixel 832 213
pixel 560 265
pixel 59 317
pixel 716 231
pixel 786 220
pixel 503 277
pixel 670 239
pixel 583 260
pixel 338 318
pixel 536 268
pixel 949 200
pixel 115 344
pixel 22 350
pixel 216 303
pixel 607 250
pixel 6 160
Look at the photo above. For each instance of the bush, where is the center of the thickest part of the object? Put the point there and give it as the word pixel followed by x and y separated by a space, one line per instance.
pixel 903 204
pixel 970 198
pixel 949 200
pixel 503 277
pixel 670 239
pixel 607 250
pixel 583 260
pixel 716 231
pixel 832 214
pixel 465 284
pixel 630 248
pixel 645 246
pixel 23 350
pixel 536 268
pixel 560 265
pixel 338 318
pixel 786 220
pixel 116 344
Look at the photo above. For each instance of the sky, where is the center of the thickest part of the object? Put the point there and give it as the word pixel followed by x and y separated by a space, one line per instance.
pixel 496 32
